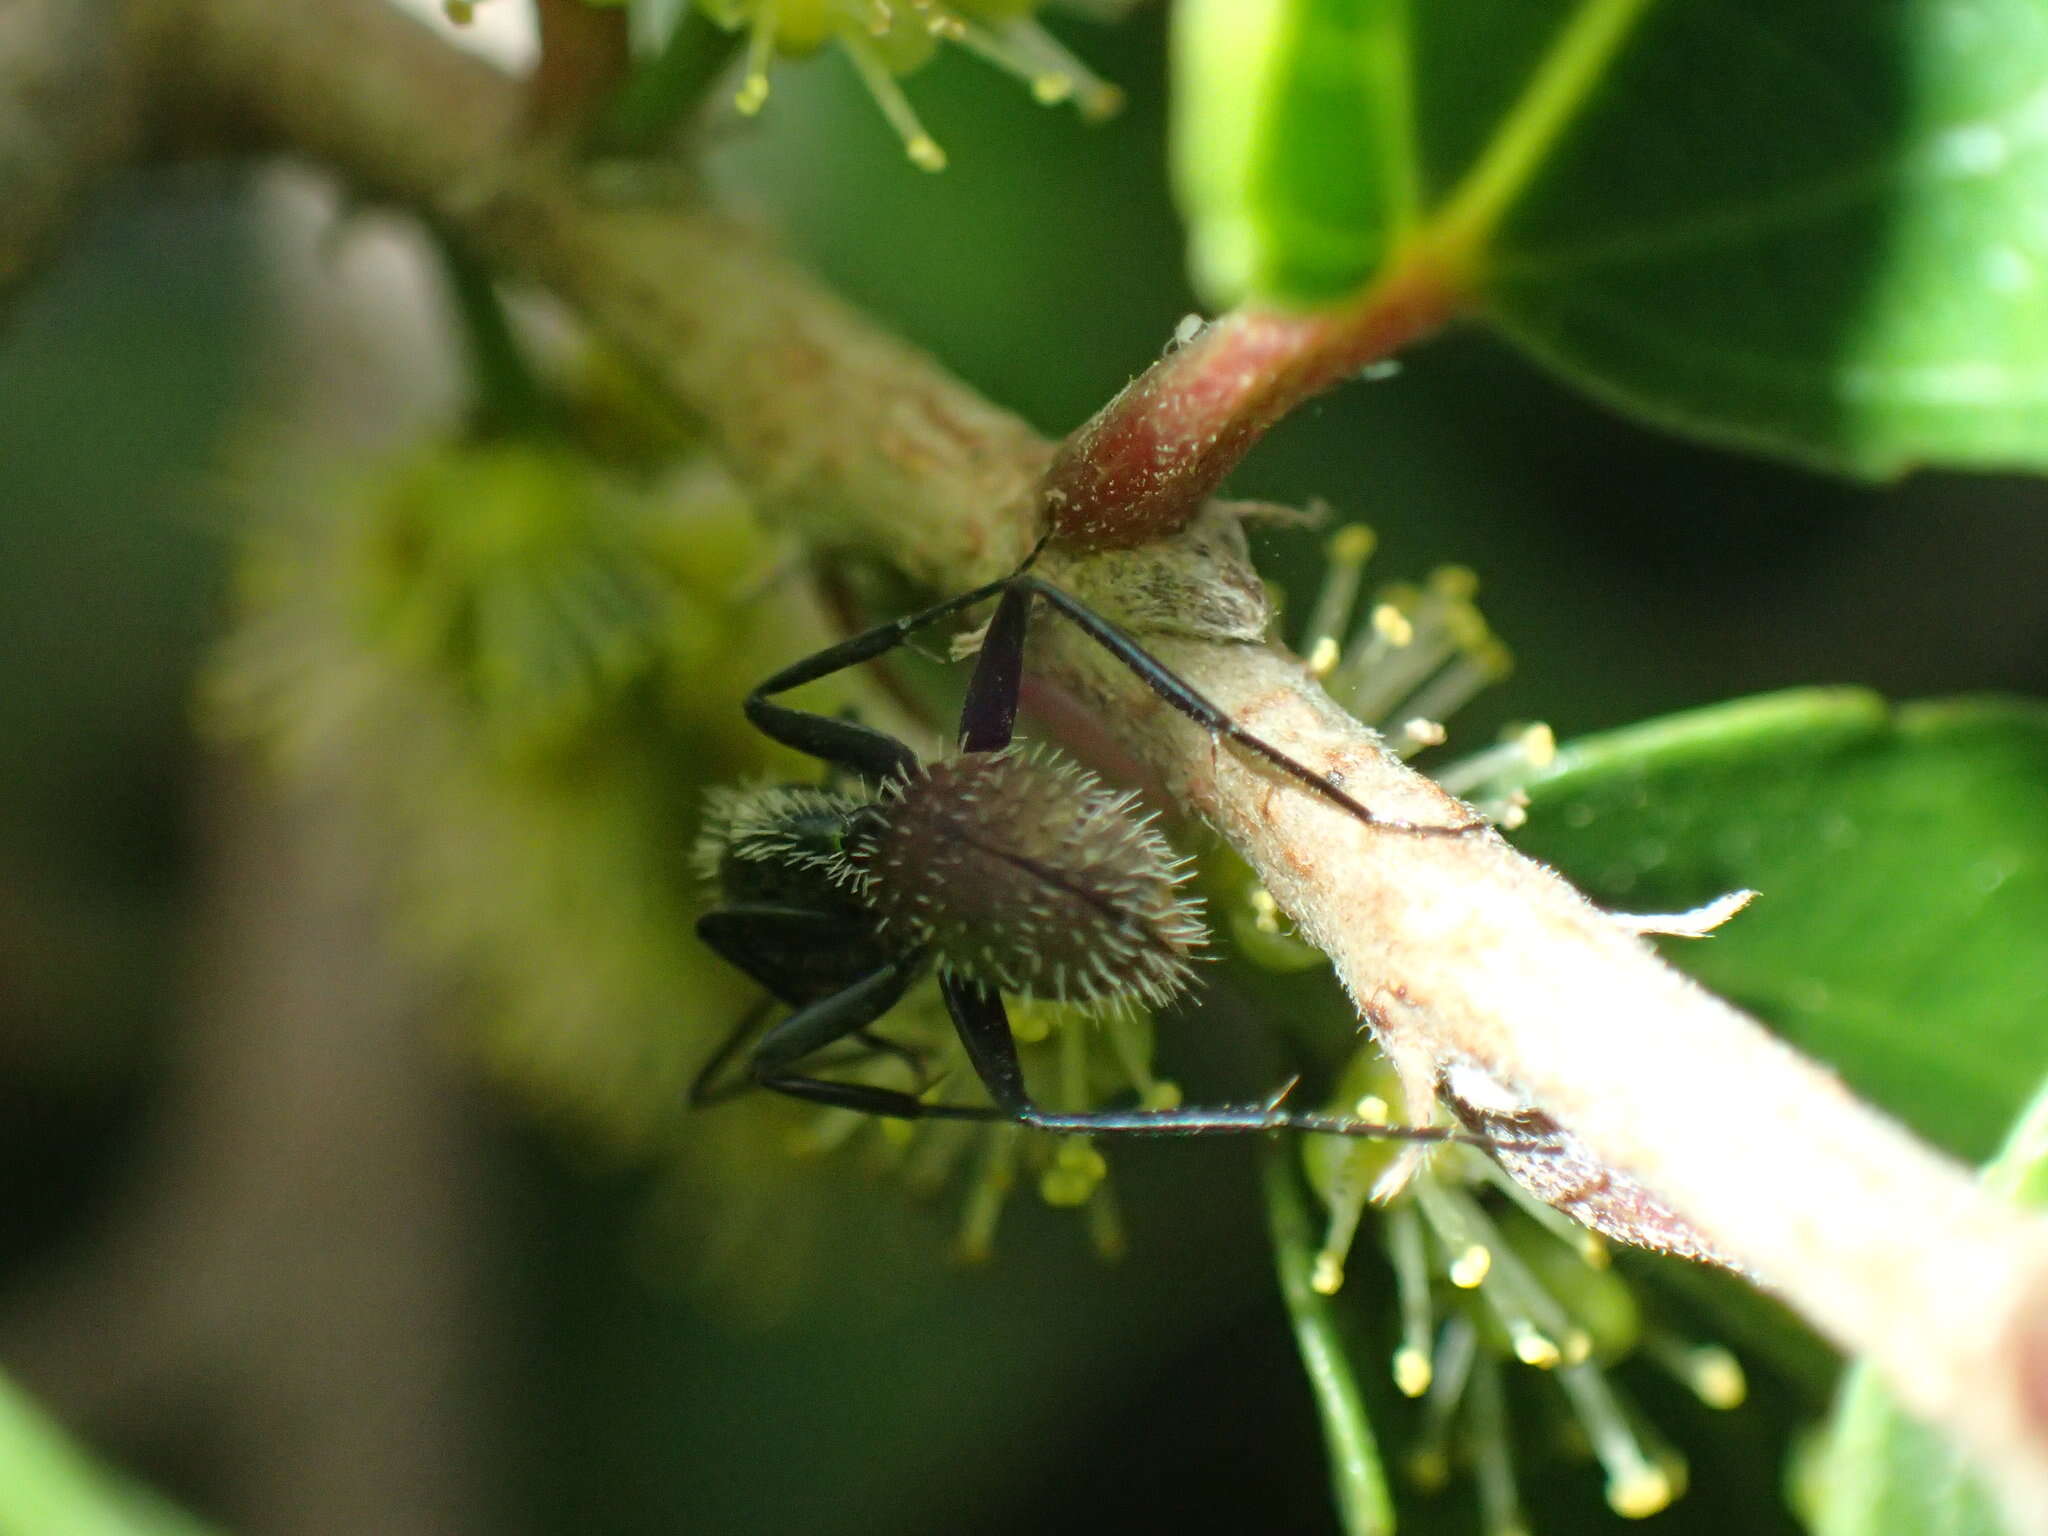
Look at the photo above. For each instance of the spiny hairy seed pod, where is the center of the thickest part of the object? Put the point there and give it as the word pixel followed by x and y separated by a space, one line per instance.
pixel 1028 873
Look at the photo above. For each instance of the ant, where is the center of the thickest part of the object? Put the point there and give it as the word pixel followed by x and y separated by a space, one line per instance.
pixel 1002 869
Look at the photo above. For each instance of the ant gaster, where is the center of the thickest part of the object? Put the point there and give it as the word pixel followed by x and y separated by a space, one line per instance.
pixel 1002 869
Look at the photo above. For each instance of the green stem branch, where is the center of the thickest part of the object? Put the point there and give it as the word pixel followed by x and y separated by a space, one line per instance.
pixel 1364 1503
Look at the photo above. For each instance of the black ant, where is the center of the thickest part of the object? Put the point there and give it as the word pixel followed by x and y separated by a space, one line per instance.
pixel 1004 870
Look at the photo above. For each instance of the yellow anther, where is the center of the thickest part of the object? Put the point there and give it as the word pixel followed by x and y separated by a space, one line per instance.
pixel 1466 626
pixel 1640 1494
pixel 1493 658
pixel 1469 1269
pixel 1051 90
pixel 1539 745
pixel 1065 1188
pixel 1534 1348
pixel 1099 101
pixel 1164 1094
pixel 1328 1278
pixel 1578 1346
pixel 1716 1377
pixel 1412 1372
pixel 1322 660
pixel 1430 1469
pixel 1031 1025
pixel 1353 544
pixel 925 153
pixel 1079 1157
pixel 1391 625
pixel 1454 583
pixel 1265 911
pixel 1372 1109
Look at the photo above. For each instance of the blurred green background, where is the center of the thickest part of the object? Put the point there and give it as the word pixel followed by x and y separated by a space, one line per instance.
pixel 476 1325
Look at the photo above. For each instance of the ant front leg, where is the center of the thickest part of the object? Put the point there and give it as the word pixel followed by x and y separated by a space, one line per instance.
pixel 847 744
pixel 988 715
pixel 1164 682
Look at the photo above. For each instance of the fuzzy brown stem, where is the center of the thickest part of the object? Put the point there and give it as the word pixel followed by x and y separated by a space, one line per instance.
pixel 1462 949
pixel 1147 461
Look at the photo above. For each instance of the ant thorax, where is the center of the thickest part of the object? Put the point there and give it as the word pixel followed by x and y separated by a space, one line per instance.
pixel 1022 870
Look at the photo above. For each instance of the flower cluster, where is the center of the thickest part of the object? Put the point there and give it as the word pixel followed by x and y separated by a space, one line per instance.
pixel 1486 1276
pixel 885 39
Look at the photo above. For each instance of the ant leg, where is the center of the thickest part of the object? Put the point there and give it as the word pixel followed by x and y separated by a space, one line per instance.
pixel 831 1019
pixel 703 1090
pixel 847 1012
pixel 860 749
pixel 988 715
pixel 795 953
pixel 984 1027
pixel 1155 675
pixel 882 1045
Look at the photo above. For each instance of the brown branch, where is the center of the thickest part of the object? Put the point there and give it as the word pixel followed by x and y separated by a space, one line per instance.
pixel 69 114
pixel 1463 951
pixel 585 55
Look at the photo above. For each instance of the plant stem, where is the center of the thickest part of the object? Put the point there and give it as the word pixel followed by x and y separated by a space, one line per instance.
pixel 1357 1472
pixel 1145 463
pixel 509 401
pixel 663 92
pixel 584 54
pixel 1149 459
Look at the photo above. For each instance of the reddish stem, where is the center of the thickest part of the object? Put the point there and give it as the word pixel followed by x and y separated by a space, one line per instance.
pixel 1145 463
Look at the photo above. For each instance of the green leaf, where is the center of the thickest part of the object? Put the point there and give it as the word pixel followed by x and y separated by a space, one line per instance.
pixel 1806 226
pixel 1883 1473
pixel 47 1483
pixel 1902 857
pixel 1357 1476
pixel 1291 144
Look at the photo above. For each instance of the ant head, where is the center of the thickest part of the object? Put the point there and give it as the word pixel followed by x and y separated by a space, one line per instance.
pixel 783 844
pixel 1024 871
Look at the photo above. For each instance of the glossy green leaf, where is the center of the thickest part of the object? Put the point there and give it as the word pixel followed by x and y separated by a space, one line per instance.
pixel 1292 151
pixel 1902 857
pixel 1885 1474
pixel 1806 226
